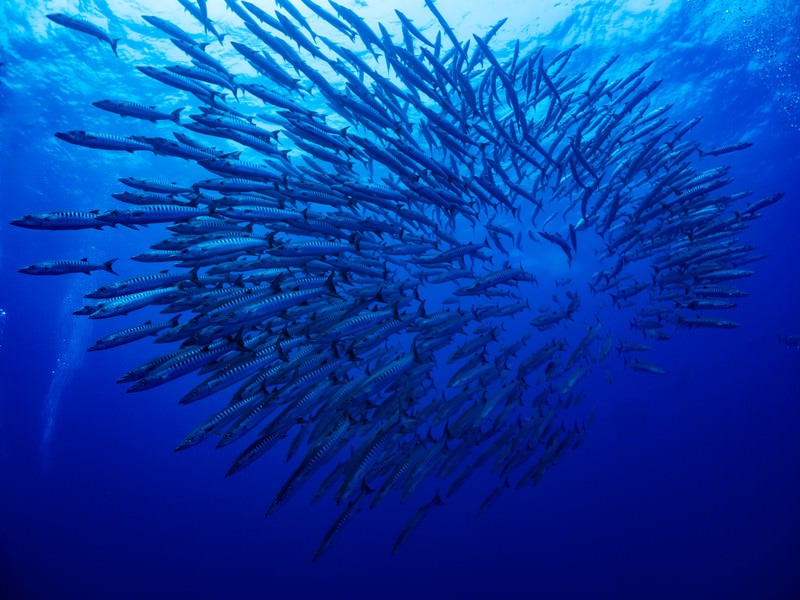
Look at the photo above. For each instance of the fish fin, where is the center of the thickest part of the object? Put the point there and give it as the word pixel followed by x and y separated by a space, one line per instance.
pixel 331 286
pixel 365 489
pixel 108 266
pixel 114 43
pixel 176 114
pixel 281 352
pixel 277 281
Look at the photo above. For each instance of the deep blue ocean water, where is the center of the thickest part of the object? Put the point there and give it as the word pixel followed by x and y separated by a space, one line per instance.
pixel 686 486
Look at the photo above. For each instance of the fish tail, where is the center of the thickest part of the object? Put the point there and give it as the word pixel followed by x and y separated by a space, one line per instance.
pixel 114 43
pixel 331 286
pixel 108 266
pixel 176 115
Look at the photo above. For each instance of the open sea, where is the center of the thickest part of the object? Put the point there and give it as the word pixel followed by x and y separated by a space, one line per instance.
pixel 602 471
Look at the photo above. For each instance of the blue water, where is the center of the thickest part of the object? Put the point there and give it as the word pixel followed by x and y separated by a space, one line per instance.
pixel 686 486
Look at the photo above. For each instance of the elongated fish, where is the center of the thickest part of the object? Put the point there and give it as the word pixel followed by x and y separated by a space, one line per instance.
pixel 138 111
pixel 131 334
pixel 84 26
pixel 62 267
pixel 102 141
pixel 70 219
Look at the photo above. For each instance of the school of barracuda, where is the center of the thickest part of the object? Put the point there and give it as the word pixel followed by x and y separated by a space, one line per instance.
pixel 375 208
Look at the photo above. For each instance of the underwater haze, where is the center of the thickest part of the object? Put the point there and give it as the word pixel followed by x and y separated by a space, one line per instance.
pixel 475 299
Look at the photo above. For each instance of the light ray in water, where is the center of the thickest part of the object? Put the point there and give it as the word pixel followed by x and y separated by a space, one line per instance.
pixel 73 336
pixel 3 316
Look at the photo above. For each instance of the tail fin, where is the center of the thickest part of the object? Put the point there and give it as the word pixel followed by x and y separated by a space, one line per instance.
pixel 108 266
pixel 176 115
pixel 331 286
pixel 114 43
